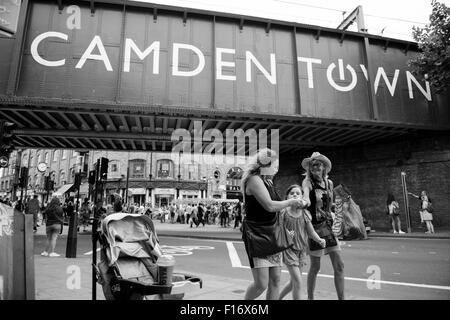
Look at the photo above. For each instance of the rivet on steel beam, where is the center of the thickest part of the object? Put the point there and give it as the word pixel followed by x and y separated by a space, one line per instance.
pixel 241 24
pixel 155 14
pixel 184 17
pixel 92 7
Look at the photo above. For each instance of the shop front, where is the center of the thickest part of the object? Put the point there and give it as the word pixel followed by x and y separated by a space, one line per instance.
pixel 163 197
pixel 190 194
pixel 136 195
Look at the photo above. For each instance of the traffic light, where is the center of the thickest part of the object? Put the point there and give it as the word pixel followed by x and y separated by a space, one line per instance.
pixel 92 175
pixel 49 184
pixel 77 180
pixel 23 179
pixel 6 138
pixel 104 168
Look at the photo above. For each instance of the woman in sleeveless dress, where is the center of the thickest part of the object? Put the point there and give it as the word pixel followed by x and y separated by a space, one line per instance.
pixel 318 193
pixel 261 204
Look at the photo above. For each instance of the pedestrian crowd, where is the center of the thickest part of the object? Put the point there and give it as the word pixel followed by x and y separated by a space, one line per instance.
pixel 198 213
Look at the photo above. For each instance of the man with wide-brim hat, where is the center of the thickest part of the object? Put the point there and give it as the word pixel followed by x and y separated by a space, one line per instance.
pixel 318 194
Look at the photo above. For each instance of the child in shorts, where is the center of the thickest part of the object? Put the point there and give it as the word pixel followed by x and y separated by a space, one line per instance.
pixel 297 223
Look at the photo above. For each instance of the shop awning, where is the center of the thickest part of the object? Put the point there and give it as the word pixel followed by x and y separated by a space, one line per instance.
pixel 135 191
pixel 63 189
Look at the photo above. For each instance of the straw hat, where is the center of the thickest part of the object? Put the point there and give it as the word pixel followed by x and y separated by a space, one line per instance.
pixel 317 156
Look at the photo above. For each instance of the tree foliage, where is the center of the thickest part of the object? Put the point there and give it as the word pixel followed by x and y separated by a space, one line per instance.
pixel 433 63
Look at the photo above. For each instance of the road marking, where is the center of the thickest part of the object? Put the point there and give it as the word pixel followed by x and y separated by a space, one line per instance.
pixel 183 250
pixel 90 252
pixel 236 263
pixel 234 257
pixel 395 252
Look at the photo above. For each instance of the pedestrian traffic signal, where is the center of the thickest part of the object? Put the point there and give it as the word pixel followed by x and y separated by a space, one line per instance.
pixel 104 168
pixel 6 138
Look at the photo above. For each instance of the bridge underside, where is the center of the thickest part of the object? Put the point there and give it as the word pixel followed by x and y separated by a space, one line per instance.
pixel 60 124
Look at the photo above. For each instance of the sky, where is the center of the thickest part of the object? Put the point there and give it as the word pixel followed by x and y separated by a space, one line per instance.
pixel 389 18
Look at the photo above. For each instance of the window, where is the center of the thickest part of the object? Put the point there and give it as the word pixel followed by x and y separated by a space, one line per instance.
pixel 114 168
pixel 165 168
pixel 55 155
pixel 64 154
pixel 6 184
pixel 62 177
pixel 137 167
pixel 3 185
pixel 46 159
pixel 234 177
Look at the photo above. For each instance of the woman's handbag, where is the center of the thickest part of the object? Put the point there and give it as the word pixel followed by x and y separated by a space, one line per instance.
pixel 324 230
pixel 265 239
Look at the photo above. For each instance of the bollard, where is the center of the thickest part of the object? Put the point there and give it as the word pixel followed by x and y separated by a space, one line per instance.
pixel 71 247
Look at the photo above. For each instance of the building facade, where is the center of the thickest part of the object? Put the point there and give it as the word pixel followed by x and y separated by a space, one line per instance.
pixel 60 165
pixel 153 177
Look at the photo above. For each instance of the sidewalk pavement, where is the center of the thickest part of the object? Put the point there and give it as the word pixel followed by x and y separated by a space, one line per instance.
pixel 219 233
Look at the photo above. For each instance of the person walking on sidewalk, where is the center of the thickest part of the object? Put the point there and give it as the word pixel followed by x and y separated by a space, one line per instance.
pixel 223 215
pixel 318 193
pixel 173 209
pixel 237 214
pixel 261 203
pixel 194 217
pixel 297 222
pixel 394 213
pixel 200 214
pixel 33 208
pixel 54 220
pixel 425 211
pixel 188 213
pixel 85 213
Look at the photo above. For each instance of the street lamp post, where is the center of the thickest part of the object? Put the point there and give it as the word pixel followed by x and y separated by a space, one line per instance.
pixel 405 197
pixel 126 188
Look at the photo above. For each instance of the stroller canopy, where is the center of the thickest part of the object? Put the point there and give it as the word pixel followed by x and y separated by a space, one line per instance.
pixel 130 235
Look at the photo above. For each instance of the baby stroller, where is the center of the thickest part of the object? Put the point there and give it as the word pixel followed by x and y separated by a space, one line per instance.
pixel 127 268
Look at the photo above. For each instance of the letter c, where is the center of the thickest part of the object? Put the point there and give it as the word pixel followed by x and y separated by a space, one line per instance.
pixel 335 85
pixel 37 41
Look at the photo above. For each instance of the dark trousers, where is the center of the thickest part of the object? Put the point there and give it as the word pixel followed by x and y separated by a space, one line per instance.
pixel 237 220
pixel 223 221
